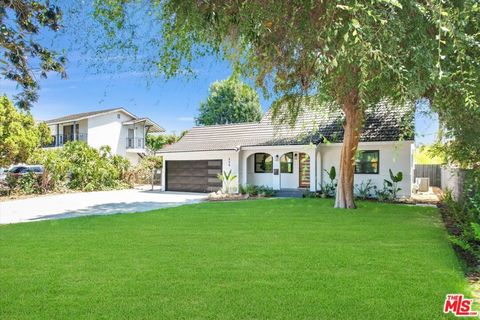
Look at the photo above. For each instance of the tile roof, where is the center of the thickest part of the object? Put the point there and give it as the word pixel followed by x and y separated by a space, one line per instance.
pixel 382 123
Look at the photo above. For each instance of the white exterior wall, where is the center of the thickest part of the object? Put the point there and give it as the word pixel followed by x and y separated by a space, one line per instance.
pixel 107 130
pixel 229 161
pixel 392 155
pixel 282 180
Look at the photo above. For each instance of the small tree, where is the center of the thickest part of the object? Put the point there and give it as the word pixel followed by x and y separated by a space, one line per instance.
pixel 351 54
pixel 19 135
pixel 157 142
pixel 230 101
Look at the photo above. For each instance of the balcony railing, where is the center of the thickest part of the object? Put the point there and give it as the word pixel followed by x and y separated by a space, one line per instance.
pixel 135 143
pixel 60 139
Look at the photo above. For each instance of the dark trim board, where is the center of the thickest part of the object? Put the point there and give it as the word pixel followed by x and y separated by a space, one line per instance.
pixel 193 175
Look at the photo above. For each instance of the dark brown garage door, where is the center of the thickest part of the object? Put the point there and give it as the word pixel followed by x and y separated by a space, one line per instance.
pixel 193 176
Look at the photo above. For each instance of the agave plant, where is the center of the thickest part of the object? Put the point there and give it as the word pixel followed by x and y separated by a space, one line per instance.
pixel 227 178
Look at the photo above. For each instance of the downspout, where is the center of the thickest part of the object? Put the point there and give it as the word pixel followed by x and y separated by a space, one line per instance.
pixel 74 130
pixel 321 164
pixel 57 138
pixel 240 173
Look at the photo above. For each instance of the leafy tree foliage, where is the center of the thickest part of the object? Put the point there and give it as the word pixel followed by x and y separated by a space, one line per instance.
pixel 427 155
pixel 352 53
pixel 457 91
pixel 157 142
pixel 19 134
pixel 230 101
pixel 24 57
pixel 81 167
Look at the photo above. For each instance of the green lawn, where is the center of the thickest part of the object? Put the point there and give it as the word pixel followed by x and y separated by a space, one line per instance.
pixel 277 259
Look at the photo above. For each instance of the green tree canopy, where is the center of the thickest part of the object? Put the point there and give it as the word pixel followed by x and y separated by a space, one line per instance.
pixel 24 58
pixel 352 53
pixel 157 142
pixel 20 136
pixel 230 101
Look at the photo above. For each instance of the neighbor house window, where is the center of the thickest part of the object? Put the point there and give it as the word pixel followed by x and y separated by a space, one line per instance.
pixel 286 163
pixel 263 163
pixel 367 161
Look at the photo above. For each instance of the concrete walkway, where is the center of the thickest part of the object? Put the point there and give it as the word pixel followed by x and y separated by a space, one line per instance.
pixel 91 203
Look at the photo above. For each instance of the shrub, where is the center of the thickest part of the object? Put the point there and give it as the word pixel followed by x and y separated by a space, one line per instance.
pixel 364 190
pixel 55 167
pixel 265 191
pixel 383 194
pixel 392 185
pixel 249 189
pixel 142 172
pixel 93 169
pixel 329 189
pixel 81 167
pixel 309 194
pixel 462 218
pixel 28 183
pixel 261 191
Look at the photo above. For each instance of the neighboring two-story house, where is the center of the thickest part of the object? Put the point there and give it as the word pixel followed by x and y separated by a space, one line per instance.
pixel 118 128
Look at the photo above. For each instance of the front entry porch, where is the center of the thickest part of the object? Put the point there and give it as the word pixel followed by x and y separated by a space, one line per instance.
pixel 284 169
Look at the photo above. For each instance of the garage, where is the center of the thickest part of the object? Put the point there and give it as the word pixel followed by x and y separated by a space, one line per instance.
pixel 193 176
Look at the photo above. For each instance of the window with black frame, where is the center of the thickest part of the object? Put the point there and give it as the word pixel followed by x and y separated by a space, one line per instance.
pixel 263 163
pixel 367 162
pixel 286 163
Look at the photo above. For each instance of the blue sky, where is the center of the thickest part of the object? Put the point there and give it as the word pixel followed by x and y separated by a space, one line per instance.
pixel 173 104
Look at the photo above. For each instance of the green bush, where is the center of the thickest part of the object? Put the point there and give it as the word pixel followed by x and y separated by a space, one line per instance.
pixel 55 167
pixel 265 191
pixel 24 184
pixel 28 183
pixel 80 167
pixel 93 169
pixel 364 190
pixel 142 172
pixel 329 189
pixel 310 194
pixel 462 218
pixel 252 190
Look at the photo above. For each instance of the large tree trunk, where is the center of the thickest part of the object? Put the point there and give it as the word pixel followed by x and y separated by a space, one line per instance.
pixel 353 127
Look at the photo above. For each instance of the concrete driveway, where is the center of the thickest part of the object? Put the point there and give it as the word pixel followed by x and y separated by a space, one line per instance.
pixel 91 203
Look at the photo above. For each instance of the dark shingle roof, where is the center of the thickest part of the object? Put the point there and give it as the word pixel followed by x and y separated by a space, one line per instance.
pixel 77 116
pixel 382 123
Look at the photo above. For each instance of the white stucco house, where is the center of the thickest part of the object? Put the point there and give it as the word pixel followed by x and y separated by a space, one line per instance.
pixel 118 128
pixel 285 157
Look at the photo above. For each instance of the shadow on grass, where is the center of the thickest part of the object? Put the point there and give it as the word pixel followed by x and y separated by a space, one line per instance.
pixel 113 208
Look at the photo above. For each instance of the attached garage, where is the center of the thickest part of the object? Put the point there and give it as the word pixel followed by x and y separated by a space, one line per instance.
pixel 193 176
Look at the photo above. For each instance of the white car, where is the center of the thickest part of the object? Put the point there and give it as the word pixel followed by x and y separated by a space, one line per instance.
pixel 3 175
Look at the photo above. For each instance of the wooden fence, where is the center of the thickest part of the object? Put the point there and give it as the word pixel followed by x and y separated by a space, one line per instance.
pixel 432 171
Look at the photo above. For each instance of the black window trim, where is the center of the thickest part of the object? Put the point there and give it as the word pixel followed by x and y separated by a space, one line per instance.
pixel 378 162
pixel 255 162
